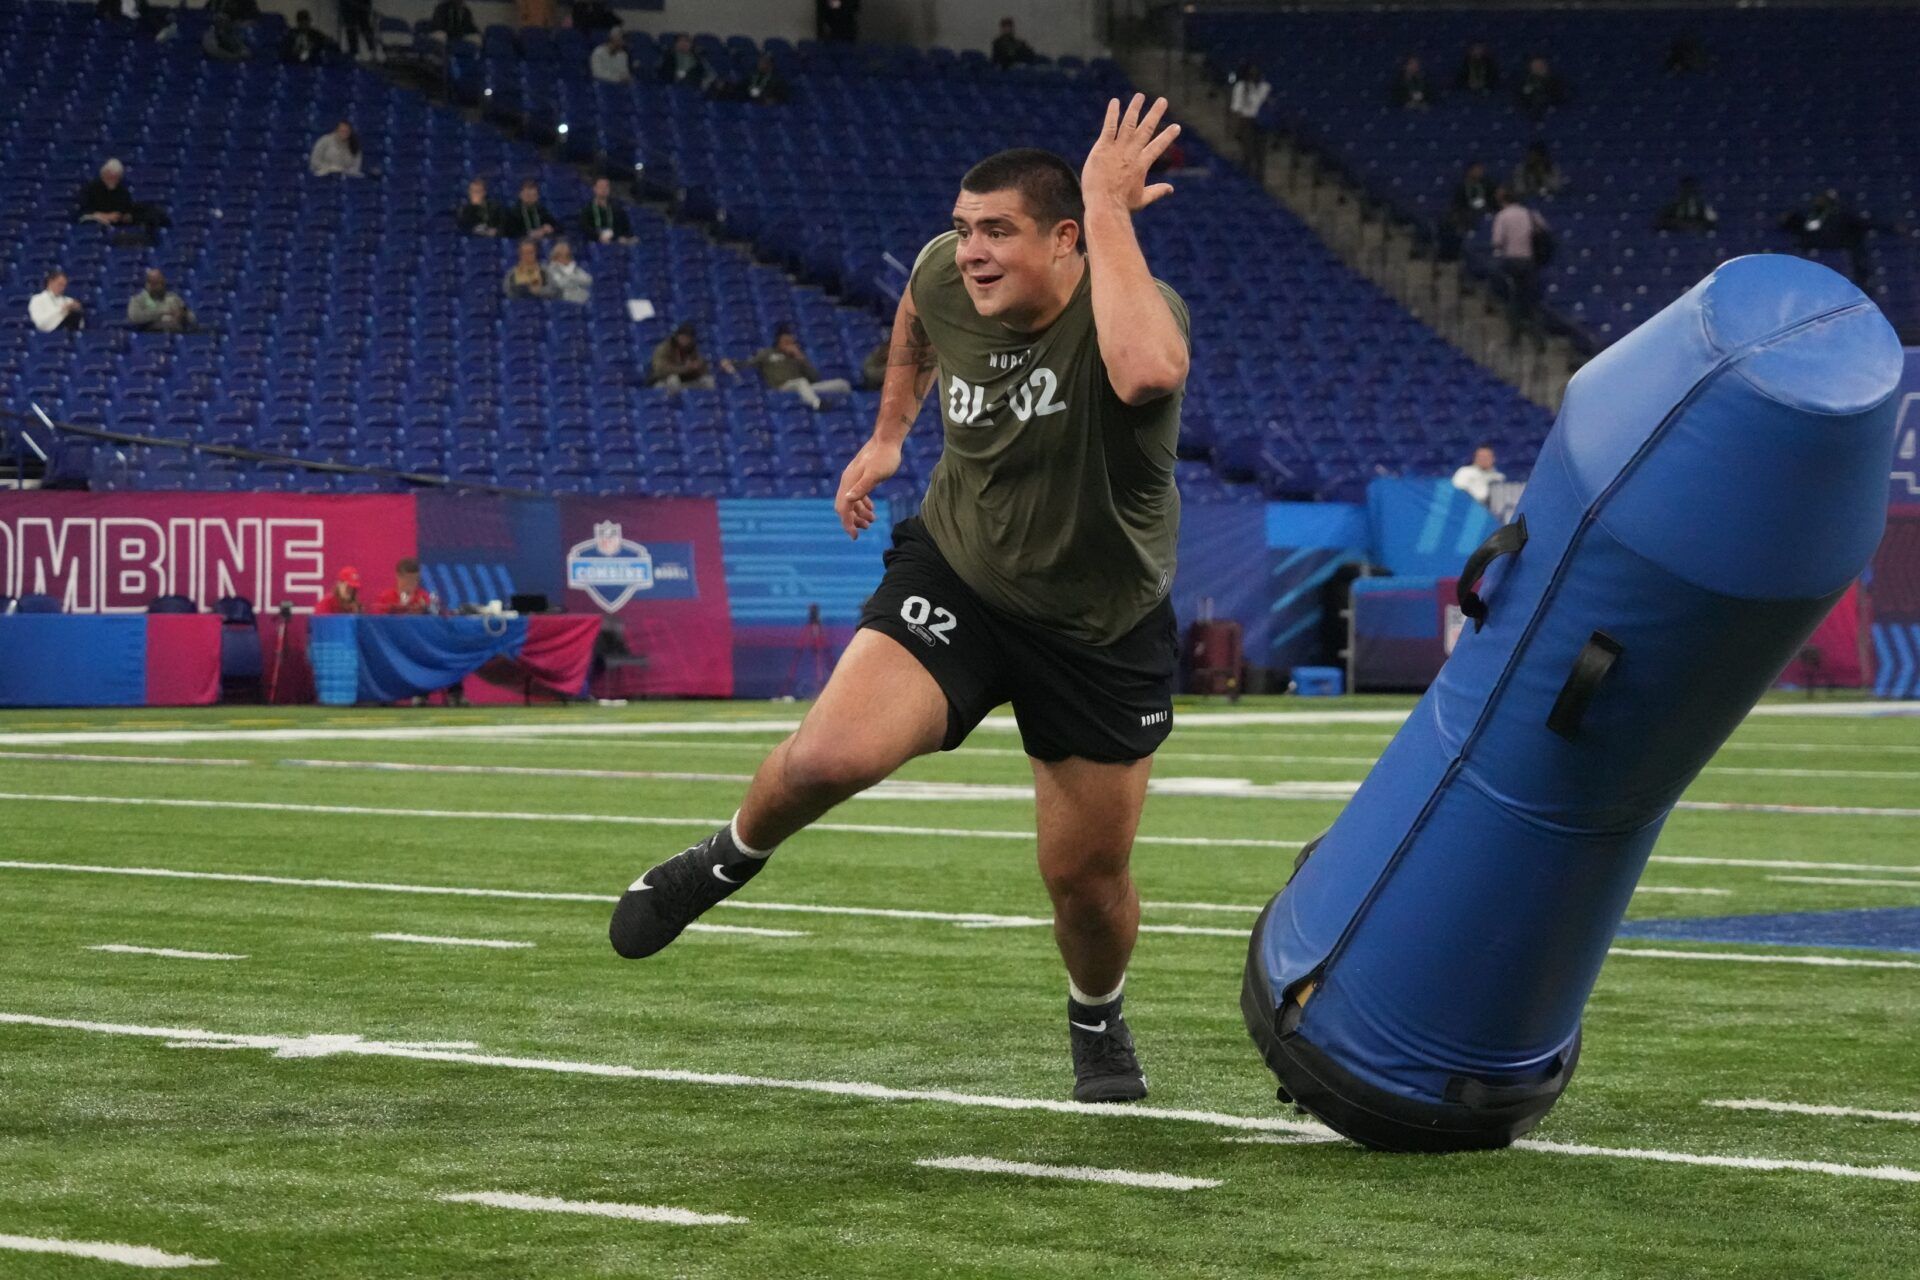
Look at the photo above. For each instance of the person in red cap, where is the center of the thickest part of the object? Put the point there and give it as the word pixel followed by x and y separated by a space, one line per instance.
pixel 406 595
pixel 345 595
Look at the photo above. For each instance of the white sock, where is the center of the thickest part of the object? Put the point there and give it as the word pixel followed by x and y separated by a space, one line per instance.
pixel 1094 1002
pixel 748 850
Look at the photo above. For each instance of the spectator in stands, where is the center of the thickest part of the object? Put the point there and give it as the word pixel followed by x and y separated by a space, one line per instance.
pixel 305 45
pixel 1009 50
pixel 567 280
pixel 1828 223
pixel 1479 74
pixel 1686 55
pixel 1536 177
pixel 453 20
pixel 406 595
pixel 336 152
pixel 1541 89
pixel 682 64
pixel 1688 210
pixel 238 12
pixel 1515 253
pixel 343 596
pixel 609 62
pixel 873 370
pixel 108 201
pixel 356 27
pixel 1249 94
pixel 837 20
pixel 530 218
pixel 222 42
pixel 604 219
pixel 784 367
pixel 526 278
pixel 766 85
pixel 481 215
pixel 1472 200
pixel 677 362
pixel 158 309
pixel 591 17
pixel 1410 88
pixel 1478 478
pixel 52 309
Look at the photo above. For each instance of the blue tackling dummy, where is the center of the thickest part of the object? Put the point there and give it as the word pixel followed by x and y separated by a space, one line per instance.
pixel 1714 482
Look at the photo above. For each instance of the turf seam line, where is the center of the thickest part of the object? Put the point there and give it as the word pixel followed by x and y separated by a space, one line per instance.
pixel 1069 1173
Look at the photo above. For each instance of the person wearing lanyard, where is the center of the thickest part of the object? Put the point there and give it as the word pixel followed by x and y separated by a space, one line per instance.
pixel 604 220
pixel 531 218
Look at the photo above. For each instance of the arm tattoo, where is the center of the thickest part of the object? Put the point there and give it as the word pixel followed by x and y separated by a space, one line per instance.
pixel 917 350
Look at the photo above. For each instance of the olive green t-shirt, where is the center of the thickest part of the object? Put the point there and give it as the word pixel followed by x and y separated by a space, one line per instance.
pixel 1053 499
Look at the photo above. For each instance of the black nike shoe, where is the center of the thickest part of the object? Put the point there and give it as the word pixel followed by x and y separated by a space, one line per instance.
pixel 1104 1066
pixel 674 894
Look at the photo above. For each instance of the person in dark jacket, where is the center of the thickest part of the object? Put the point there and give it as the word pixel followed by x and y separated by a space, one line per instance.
pixel 480 215
pixel 1688 210
pixel 1472 200
pixel 108 201
pixel 305 45
pixel 766 85
pixel 530 218
pixel 1828 222
pixel 1541 89
pixel 356 27
pixel 595 17
pixel 605 219
pixel 453 20
pixel 1410 88
pixel 1479 73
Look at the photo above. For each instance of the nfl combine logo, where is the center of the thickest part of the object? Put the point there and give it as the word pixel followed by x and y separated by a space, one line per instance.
pixel 609 568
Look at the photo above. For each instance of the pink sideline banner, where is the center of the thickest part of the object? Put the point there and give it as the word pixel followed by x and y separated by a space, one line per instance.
pixel 115 552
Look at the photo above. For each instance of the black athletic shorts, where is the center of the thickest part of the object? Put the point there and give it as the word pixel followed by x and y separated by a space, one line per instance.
pixel 1107 703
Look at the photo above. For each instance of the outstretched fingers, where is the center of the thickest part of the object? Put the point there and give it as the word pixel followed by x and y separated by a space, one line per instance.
pixel 1155 149
pixel 1131 120
pixel 1152 121
pixel 1154 192
pixel 1112 126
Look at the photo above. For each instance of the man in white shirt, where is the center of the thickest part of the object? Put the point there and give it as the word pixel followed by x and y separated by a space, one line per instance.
pixel 53 309
pixel 1250 90
pixel 609 62
pixel 1478 479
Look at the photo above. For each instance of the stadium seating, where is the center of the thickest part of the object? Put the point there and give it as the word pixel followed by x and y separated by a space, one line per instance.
pixel 1793 101
pixel 347 323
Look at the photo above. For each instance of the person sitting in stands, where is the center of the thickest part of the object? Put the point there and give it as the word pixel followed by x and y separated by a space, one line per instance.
pixel 609 63
pixel 344 597
pixel 480 215
pixel 604 219
pixel 52 309
pixel 766 85
pixel 784 367
pixel 306 45
pixel 677 362
pixel 406 595
pixel 683 65
pixel 1410 88
pixel 337 152
pixel 157 309
pixel 1478 73
pixel 530 218
pixel 222 42
pixel 1541 89
pixel 567 280
pixel 453 20
pixel 526 278
pixel 1688 210
pixel 108 201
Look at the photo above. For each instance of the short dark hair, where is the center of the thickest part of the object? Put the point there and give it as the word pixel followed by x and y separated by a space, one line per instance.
pixel 55 274
pixel 407 565
pixel 1048 186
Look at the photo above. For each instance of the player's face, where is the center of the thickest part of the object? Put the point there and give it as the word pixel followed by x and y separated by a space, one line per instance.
pixel 1006 258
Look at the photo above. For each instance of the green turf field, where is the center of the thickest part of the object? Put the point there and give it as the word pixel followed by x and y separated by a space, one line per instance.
pixel 302 1111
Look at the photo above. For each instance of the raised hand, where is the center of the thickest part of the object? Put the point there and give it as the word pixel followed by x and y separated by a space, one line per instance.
pixel 1116 168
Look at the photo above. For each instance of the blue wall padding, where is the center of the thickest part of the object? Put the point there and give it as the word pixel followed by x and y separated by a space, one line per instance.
pixel 1714 481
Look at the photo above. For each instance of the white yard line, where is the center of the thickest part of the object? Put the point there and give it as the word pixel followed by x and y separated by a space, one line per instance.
pixel 496 944
pixel 82 756
pixel 617 819
pixel 1884 884
pixel 1905 775
pixel 129 1255
pixel 1765 864
pixel 1808 1109
pixel 1069 1173
pixel 1748 957
pixel 1682 890
pixel 1814 810
pixel 594 1208
pixel 1284 1139
pixel 121 948
pixel 316 1046
pixel 1882 1173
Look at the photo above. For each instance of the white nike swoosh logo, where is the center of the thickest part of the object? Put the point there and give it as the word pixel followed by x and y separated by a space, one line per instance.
pixel 1096 1028
pixel 723 877
pixel 639 886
